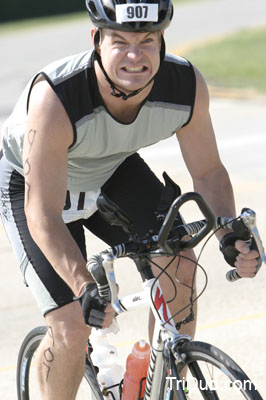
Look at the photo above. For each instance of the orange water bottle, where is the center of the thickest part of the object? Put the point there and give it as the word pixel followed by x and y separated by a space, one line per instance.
pixel 136 369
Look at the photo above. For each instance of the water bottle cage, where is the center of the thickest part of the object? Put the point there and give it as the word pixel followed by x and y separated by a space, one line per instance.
pixel 106 391
pixel 141 387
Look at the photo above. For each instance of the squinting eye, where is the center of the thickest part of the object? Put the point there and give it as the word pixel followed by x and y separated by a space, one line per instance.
pixel 149 40
pixel 118 42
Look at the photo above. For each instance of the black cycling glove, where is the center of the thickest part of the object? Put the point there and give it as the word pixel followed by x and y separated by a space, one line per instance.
pixel 93 306
pixel 227 247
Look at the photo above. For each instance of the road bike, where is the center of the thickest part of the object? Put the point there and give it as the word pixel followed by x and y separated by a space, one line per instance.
pixel 180 368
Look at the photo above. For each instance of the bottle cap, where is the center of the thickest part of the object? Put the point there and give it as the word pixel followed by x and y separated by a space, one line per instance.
pixel 141 349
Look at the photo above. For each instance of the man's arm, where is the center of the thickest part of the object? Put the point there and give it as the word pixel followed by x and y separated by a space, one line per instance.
pixel 210 178
pixel 48 135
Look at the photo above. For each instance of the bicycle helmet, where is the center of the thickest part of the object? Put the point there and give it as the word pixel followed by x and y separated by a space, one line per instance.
pixel 131 15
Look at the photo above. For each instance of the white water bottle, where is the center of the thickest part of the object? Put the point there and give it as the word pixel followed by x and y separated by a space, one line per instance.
pixel 104 356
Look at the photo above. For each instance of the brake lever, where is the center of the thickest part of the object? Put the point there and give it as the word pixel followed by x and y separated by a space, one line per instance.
pixel 248 217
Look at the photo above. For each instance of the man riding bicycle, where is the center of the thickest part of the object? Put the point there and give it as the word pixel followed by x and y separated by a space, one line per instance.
pixel 75 131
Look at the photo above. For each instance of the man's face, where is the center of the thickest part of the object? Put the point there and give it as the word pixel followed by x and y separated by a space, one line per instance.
pixel 130 59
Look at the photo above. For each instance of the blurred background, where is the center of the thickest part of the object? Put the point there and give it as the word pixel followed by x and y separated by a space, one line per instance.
pixel 225 39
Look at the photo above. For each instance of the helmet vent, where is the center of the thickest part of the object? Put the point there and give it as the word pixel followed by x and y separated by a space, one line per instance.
pixel 92 9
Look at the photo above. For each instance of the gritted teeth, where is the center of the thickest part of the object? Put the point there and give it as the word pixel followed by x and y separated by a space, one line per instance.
pixel 134 69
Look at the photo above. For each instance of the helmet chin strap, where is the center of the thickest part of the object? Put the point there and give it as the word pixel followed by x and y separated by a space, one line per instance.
pixel 114 90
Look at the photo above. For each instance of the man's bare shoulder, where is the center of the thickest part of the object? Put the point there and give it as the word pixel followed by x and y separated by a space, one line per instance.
pixel 202 93
pixel 200 115
pixel 46 109
pixel 42 95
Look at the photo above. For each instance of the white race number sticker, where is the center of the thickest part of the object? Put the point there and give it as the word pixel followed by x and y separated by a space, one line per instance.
pixel 136 12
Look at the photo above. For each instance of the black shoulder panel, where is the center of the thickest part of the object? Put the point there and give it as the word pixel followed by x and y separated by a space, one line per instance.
pixel 79 94
pixel 175 83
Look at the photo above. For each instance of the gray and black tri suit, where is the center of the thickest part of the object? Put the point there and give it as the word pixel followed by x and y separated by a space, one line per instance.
pixel 102 157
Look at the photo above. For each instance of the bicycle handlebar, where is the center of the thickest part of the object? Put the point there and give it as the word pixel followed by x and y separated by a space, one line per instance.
pixel 101 265
pixel 167 225
pixel 169 241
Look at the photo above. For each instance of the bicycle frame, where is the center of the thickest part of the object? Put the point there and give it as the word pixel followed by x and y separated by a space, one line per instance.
pixel 165 331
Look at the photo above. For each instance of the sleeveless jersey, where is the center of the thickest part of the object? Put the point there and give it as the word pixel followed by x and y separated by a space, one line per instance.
pixel 101 143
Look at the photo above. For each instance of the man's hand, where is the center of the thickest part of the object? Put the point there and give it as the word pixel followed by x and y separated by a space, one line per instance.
pixel 240 255
pixel 96 311
pixel 246 261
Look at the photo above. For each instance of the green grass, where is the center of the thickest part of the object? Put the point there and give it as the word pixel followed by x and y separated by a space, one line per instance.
pixel 238 61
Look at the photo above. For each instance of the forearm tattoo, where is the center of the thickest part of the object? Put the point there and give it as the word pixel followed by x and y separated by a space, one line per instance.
pixel 48 355
pixel 27 166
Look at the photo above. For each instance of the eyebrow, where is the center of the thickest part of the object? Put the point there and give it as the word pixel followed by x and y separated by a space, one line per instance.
pixel 114 35
pixel 117 35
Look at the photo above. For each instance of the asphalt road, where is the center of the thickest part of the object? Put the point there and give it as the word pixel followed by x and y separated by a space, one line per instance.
pixel 231 316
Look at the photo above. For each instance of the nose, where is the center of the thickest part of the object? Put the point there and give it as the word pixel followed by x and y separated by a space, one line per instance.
pixel 134 52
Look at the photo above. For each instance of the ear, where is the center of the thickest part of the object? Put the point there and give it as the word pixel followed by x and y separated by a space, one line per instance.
pixel 93 32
